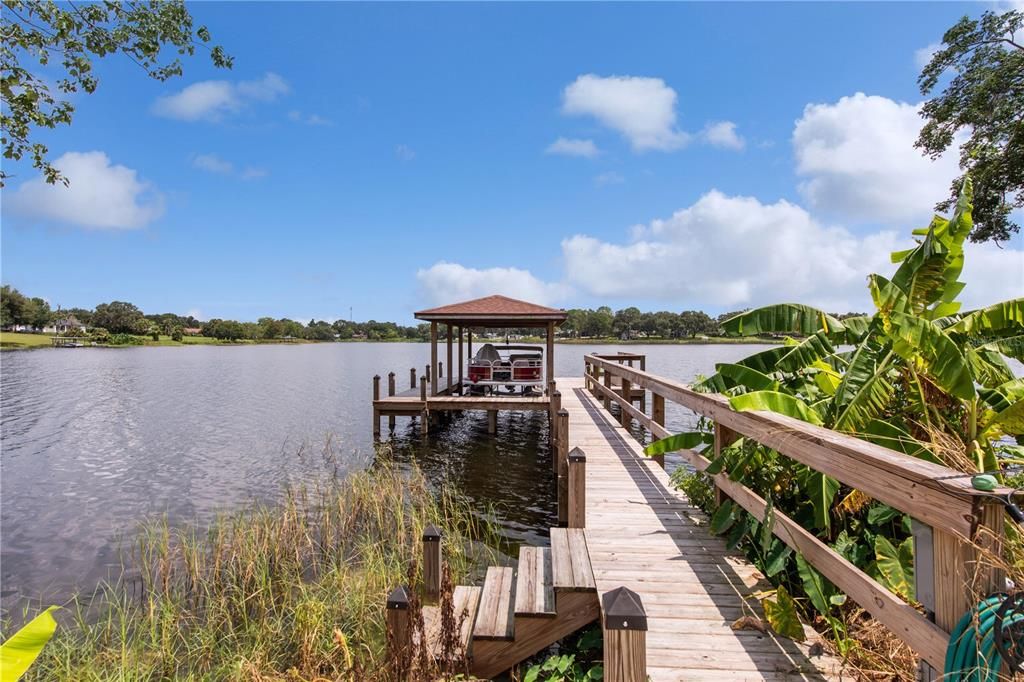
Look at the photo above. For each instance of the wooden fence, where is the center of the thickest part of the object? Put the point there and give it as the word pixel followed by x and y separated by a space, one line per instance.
pixel 954 523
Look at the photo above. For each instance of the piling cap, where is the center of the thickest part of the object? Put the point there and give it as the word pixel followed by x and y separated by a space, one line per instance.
pixel 398 599
pixel 577 455
pixel 563 412
pixel 623 610
pixel 431 532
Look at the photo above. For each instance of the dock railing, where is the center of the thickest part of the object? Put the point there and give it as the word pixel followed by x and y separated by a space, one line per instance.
pixel 953 521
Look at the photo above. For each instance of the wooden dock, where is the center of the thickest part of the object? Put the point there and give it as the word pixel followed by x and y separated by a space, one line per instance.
pixel 645 535
pixel 631 552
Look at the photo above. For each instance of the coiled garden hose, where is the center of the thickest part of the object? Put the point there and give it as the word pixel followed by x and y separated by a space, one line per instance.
pixel 985 637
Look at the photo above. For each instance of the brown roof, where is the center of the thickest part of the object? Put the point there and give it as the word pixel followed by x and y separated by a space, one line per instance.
pixel 493 309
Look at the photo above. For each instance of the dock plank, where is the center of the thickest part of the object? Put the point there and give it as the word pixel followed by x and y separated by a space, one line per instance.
pixel 642 533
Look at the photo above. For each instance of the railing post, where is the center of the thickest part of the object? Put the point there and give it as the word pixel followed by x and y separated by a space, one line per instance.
pixel 608 385
pixel 724 437
pixel 412 378
pixel 431 563
pixel 625 636
pixel 556 407
pixel 627 395
pixel 577 489
pixel 658 417
pixel 376 412
pixel 399 632
pixel 562 467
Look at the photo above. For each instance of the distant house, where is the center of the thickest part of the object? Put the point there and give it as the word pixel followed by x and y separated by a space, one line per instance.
pixel 192 331
pixel 65 325
pixel 21 328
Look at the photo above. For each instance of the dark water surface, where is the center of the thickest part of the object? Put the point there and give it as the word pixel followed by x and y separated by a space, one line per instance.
pixel 92 441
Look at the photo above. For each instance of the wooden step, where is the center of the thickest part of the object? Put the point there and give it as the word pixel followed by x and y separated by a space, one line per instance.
pixel 464 601
pixel 494 616
pixel 570 561
pixel 535 593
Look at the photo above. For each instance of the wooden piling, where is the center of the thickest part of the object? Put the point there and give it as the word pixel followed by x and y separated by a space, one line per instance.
pixel 391 392
pixel 449 340
pixel 554 407
pixel 461 356
pixel 412 378
pixel 376 397
pixel 432 563
pixel 399 632
pixel 625 636
pixel 432 367
pixel 492 421
pixel 577 515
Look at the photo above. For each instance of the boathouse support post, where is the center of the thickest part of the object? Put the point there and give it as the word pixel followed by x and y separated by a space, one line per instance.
pixel 448 338
pixel 461 356
pixel 376 412
pixel 724 437
pixel 627 395
pixel 432 558
pixel 391 392
pixel 469 343
pixel 432 369
pixel 399 632
pixel 625 636
pixel 549 361
pixel 577 489
pixel 658 417
pixel 492 421
pixel 562 470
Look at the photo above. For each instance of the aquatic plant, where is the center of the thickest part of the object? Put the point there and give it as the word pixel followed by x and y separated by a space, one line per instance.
pixel 290 591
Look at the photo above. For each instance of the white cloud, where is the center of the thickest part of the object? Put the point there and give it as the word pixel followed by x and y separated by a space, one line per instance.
pixel 308 119
pixel 924 55
pixel 732 251
pixel 609 178
pixel 723 134
pixel 642 109
pixel 444 282
pixel 213 164
pixel 195 312
pixel 859 159
pixel 253 173
pixel 405 152
pixel 571 147
pixel 100 195
pixel 212 100
pixel 992 274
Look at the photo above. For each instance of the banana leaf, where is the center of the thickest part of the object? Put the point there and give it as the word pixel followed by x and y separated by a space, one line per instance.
pixel 774 401
pixel 813 348
pixel 749 378
pixel 784 318
pixel 917 340
pixel 1004 395
pixel 988 366
pixel 866 390
pixel 1011 347
pixel 997 319
pixel 887 296
pixel 680 441
pixel 25 645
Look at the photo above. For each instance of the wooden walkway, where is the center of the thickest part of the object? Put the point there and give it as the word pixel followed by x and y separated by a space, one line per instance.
pixel 643 534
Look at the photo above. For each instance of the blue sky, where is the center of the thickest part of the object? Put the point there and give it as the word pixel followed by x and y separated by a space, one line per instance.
pixel 387 157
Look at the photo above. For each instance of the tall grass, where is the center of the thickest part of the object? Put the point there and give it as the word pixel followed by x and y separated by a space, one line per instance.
pixel 293 591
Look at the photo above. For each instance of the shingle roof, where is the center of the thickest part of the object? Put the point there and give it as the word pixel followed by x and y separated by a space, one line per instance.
pixel 494 307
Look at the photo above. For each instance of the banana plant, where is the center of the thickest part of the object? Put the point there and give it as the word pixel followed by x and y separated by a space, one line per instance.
pixel 918 375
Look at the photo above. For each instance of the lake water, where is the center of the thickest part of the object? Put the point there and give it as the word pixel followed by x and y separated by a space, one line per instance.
pixel 94 440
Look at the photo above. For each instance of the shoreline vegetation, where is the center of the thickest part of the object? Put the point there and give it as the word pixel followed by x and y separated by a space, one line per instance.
pixel 290 591
pixel 34 340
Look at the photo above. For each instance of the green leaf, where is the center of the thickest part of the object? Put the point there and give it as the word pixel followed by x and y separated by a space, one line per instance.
pixel 1011 347
pixel 1010 421
pixel 808 351
pixel 1007 316
pixel 865 390
pixel 888 434
pixel 749 378
pixel 881 513
pixel 723 518
pixel 896 565
pixel 821 491
pixel 777 558
pixel 782 616
pixel 818 590
pixel 887 296
pixel 784 318
pixel 919 341
pixel 680 441
pixel 767 526
pixel 25 645
pixel 773 401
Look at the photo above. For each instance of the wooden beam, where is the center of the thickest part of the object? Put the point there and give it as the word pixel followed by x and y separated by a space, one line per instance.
pixel 433 358
pixel 658 417
pixel 627 394
pixel 724 437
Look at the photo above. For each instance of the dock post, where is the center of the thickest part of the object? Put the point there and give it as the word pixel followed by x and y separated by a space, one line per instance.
pixel 391 392
pixel 432 367
pixel 449 340
pixel 627 394
pixel 625 636
pixel 399 634
pixel 431 563
pixel 577 489
pixel 556 425
pixel 562 467
pixel 424 415
pixel 412 378
pixel 724 437
pixel 554 406
pixel 492 421
pixel 461 370
pixel 658 417
pixel 376 411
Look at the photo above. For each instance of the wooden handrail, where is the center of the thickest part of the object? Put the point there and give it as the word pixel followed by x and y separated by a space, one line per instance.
pixel 927 492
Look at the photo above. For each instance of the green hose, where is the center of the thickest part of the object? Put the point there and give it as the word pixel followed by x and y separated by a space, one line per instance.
pixel 972 654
